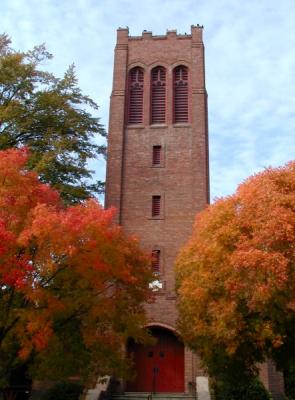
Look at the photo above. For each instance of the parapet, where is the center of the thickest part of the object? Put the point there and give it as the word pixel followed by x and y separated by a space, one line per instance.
pixel 196 34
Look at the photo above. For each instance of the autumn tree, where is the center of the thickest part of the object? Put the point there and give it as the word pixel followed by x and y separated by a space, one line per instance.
pixel 236 277
pixel 71 284
pixel 52 117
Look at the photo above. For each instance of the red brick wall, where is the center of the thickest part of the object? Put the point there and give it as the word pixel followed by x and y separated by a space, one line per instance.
pixel 181 180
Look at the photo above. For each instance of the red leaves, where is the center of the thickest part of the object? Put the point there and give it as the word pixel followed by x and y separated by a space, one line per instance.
pixel 61 263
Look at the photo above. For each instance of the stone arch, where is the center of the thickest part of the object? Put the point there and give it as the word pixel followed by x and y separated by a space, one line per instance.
pixel 137 64
pixel 158 63
pixel 161 325
pixel 179 63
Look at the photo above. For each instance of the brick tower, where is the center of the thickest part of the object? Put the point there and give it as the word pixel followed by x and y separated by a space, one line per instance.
pixel 157 177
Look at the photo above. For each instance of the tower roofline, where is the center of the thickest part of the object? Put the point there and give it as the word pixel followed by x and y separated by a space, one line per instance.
pixel 195 33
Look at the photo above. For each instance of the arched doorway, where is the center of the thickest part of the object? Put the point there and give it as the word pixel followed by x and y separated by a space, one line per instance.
pixel 160 367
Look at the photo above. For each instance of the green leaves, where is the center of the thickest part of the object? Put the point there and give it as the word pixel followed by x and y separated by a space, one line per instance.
pixel 52 117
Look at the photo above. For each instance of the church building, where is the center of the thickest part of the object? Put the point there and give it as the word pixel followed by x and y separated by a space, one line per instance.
pixel 158 179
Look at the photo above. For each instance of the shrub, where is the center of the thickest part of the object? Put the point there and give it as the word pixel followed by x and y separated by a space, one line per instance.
pixel 253 390
pixel 289 378
pixel 64 391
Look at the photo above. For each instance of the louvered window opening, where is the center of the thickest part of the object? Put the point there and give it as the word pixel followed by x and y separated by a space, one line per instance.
pixel 135 108
pixel 156 206
pixel 157 155
pixel 156 261
pixel 180 94
pixel 158 95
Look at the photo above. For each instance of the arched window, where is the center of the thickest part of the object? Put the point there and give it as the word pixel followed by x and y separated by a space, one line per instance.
pixel 158 95
pixel 180 83
pixel 135 91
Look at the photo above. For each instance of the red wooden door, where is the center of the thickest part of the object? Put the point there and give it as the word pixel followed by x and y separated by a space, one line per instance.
pixel 159 368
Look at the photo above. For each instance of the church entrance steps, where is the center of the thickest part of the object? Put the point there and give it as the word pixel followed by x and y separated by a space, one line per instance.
pixel 154 396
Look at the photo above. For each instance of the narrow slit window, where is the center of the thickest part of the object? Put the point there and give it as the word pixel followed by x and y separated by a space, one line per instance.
pixel 156 206
pixel 156 261
pixel 135 103
pixel 158 95
pixel 180 83
pixel 157 150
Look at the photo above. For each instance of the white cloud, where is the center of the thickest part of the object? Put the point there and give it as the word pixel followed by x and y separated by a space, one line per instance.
pixel 250 64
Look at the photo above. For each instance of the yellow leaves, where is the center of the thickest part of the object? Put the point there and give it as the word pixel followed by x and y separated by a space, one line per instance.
pixel 11 67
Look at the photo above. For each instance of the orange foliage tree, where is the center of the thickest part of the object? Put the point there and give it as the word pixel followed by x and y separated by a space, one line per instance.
pixel 236 276
pixel 71 284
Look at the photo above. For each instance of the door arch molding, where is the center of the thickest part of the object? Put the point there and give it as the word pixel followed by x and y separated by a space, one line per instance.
pixel 159 367
pixel 161 325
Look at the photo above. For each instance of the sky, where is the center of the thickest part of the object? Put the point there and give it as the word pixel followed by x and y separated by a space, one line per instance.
pixel 250 66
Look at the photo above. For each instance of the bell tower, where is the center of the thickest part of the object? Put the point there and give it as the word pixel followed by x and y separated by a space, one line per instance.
pixel 158 176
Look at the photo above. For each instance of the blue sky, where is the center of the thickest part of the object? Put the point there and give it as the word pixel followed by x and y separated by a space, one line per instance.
pixel 250 66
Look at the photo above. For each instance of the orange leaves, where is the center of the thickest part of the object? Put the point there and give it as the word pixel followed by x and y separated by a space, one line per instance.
pixel 36 336
pixel 239 262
